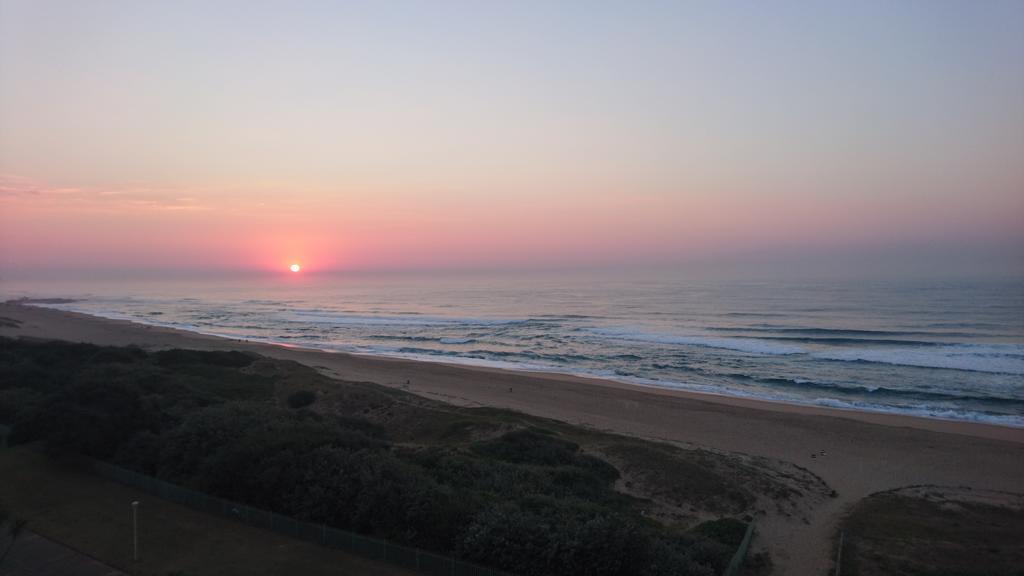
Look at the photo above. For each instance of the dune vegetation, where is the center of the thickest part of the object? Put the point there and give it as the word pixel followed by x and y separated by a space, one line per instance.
pixel 490 486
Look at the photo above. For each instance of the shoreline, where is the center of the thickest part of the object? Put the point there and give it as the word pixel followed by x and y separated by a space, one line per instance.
pixel 855 453
pixel 994 430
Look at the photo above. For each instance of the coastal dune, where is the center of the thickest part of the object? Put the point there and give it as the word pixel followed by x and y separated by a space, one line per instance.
pixel 855 453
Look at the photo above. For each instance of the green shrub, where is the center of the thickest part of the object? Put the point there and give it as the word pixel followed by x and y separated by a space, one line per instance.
pixel 125 355
pixel 528 447
pixel 728 531
pixel 226 359
pixel 529 501
pixel 301 399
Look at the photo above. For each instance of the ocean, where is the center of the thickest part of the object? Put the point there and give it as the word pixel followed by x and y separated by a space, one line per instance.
pixel 934 348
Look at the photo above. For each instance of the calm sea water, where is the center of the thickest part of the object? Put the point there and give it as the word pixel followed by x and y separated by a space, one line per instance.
pixel 947 349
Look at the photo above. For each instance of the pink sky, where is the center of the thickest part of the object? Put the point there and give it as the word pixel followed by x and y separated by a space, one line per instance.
pixel 268 228
pixel 140 135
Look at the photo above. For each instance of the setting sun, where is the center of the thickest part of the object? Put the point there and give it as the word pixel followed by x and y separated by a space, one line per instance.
pixel 704 228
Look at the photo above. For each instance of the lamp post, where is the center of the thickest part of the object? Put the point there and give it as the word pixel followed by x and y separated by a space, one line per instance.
pixel 135 530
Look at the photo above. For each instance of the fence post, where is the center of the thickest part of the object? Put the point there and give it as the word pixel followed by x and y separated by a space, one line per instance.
pixel 135 530
pixel 279 523
pixel 741 552
pixel 839 552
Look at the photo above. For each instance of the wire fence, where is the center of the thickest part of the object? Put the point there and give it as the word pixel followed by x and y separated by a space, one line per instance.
pixel 373 548
pixel 741 552
pixel 839 552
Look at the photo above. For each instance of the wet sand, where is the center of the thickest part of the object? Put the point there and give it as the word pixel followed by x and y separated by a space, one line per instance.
pixel 864 452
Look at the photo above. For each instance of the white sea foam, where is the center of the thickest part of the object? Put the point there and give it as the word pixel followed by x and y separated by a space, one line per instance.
pixel 749 345
pixel 923 412
pixel 237 322
pixel 340 319
pixel 993 358
pixel 919 411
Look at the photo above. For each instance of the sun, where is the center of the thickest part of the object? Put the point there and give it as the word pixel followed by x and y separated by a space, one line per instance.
pixel 295 267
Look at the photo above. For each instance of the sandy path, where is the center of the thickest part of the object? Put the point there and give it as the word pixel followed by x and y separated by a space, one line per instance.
pixel 864 452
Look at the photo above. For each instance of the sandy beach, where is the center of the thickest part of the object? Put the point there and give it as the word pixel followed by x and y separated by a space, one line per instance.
pixel 856 453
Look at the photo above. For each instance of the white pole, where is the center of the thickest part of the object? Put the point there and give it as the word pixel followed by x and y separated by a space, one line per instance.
pixel 839 553
pixel 135 530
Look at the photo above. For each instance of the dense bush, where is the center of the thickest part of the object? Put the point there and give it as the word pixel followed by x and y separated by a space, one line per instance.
pixel 529 447
pixel 301 399
pixel 227 359
pixel 728 531
pixel 526 501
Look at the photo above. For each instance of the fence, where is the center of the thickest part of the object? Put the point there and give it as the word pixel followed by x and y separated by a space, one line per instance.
pixel 741 552
pixel 365 546
pixel 839 551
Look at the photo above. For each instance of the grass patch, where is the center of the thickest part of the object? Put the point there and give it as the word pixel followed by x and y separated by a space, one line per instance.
pixel 940 532
pixel 728 531
pixel 491 486
pixel 64 503
pixel 680 476
pixel 301 399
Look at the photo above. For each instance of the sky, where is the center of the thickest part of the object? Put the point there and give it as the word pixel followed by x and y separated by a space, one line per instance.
pixel 434 135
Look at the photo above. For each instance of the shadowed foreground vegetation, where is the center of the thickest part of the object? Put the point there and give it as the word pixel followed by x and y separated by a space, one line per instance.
pixel 67 503
pixel 490 486
pixel 935 531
